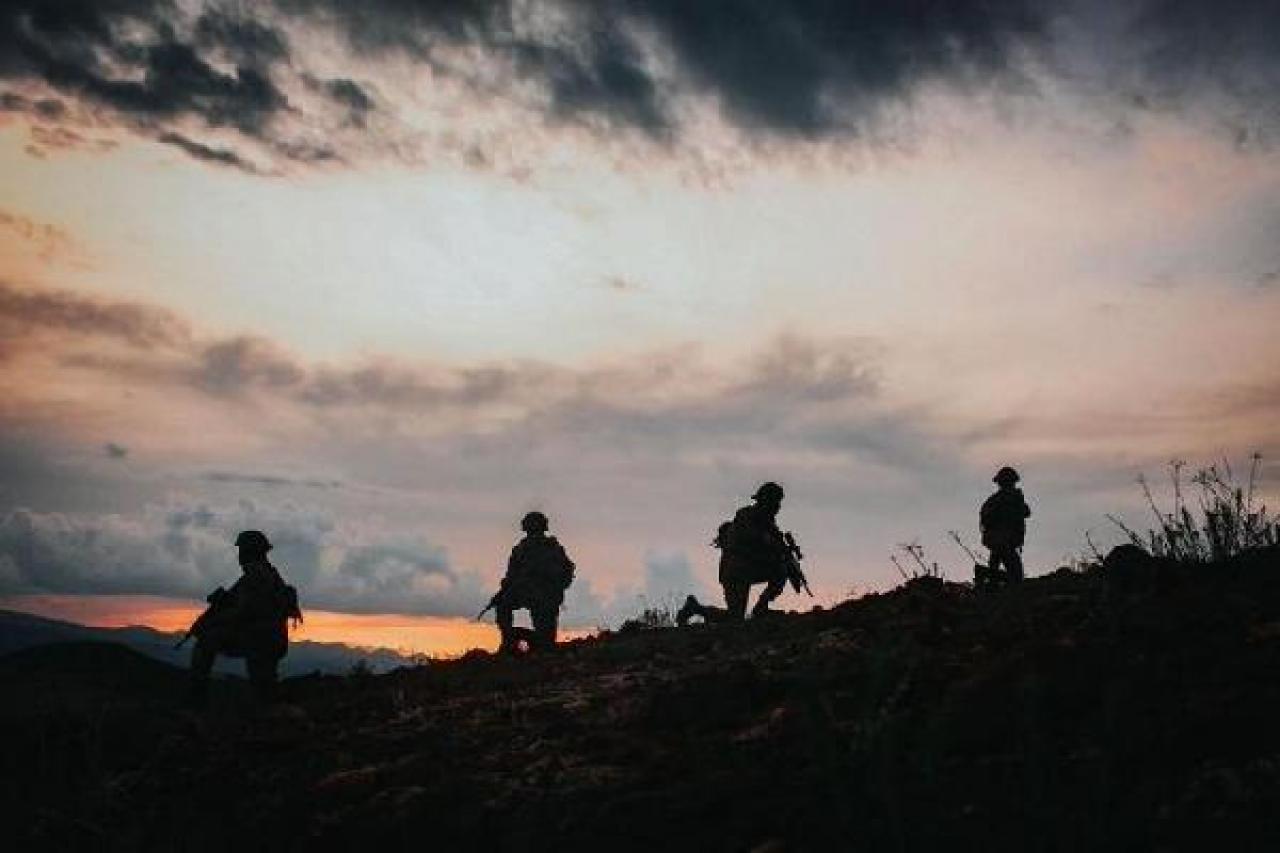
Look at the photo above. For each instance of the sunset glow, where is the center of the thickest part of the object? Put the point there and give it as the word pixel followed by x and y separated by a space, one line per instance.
pixel 408 635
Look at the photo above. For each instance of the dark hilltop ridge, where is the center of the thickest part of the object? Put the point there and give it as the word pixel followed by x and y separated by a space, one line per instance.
pixel 1131 707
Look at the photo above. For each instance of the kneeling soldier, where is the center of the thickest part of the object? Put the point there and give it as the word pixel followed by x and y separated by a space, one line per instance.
pixel 538 573
pixel 752 550
pixel 248 621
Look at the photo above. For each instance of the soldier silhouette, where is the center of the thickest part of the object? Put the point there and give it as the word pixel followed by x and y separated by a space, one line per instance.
pixel 248 621
pixel 1003 520
pixel 538 573
pixel 752 550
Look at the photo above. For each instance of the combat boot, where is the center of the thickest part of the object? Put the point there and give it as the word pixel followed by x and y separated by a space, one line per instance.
pixel 688 610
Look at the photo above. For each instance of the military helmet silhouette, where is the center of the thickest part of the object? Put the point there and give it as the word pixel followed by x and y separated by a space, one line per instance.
pixel 1006 475
pixel 768 491
pixel 534 522
pixel 253 539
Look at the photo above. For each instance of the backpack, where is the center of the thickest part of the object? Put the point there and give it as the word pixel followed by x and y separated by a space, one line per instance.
pixel 287 607
pixel 724 536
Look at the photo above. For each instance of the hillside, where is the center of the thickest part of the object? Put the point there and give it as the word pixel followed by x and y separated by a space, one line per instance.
pixel 1082 711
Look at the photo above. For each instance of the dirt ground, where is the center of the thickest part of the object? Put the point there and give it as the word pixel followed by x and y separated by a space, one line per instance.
pixel 1079 711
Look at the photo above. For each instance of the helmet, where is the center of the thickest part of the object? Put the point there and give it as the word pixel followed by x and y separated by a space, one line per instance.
pixel 253 539
pixel 534 522
pixel 1006 475
pixel 768 491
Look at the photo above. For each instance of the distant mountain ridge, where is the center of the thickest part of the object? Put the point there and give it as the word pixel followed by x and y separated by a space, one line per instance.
pixel 19 631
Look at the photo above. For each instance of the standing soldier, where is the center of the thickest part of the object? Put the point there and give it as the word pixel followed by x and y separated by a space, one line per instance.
pixel 1003 519
pixel 248 621
pixel 752 550
pixel 538 573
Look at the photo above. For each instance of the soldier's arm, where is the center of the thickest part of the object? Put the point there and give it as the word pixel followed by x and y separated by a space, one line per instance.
pixel 515 564
pixel 564 555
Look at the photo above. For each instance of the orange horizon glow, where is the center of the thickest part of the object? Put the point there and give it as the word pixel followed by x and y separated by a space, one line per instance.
pixel 408 635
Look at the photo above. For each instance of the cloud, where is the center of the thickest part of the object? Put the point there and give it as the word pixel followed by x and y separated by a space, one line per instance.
pixel 666 577
pixel 48 109
pixel 184 550
pixel 1227 46
pixel 238 364
pixel 801 68
pixel 186 76
pixel 81 48
pixel 200 151
pixel 270 480
pixel 350 94
pixel 25 312
pixel 48 240
pixel 259 88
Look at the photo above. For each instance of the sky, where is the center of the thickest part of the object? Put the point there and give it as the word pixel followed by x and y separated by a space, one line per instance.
pixel 379 278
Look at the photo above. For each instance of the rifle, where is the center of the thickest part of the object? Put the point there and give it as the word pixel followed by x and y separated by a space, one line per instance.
pixel 493 602
pixel 217 599
pixel 794 573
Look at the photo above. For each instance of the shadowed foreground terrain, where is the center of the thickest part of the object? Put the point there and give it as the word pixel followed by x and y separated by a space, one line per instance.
pixel 1083 711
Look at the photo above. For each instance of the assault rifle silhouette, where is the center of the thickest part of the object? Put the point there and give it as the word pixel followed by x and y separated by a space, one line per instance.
pixel 794 573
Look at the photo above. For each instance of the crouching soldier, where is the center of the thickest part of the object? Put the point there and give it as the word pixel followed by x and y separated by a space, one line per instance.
pixel 248 621
pixel 752 550
pixel 1003 520
pixel 538 573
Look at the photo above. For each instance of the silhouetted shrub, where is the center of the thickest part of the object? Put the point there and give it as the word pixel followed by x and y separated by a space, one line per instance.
pixel 651 617
pixel 1226 519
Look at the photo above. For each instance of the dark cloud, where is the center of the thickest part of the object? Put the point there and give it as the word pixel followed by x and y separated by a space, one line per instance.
pixel 125 55
pixel 24 312
pixel 804 67
pixel 605 76
pixel 811 67
pixel 207 153
pixel 347 93
pixel 790 70
pixel 159 70
pixel 1229 45
pixel 242 40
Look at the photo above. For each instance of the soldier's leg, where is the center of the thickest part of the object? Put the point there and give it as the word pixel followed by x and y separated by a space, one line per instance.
pixel 202 658
pixel 736 595
pixel 996 563
pixel 771 591
pixel 1014 561
pixel 262 676
pixel 735 601
pixel 545 617
pixel 504 615
pixel 692 607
